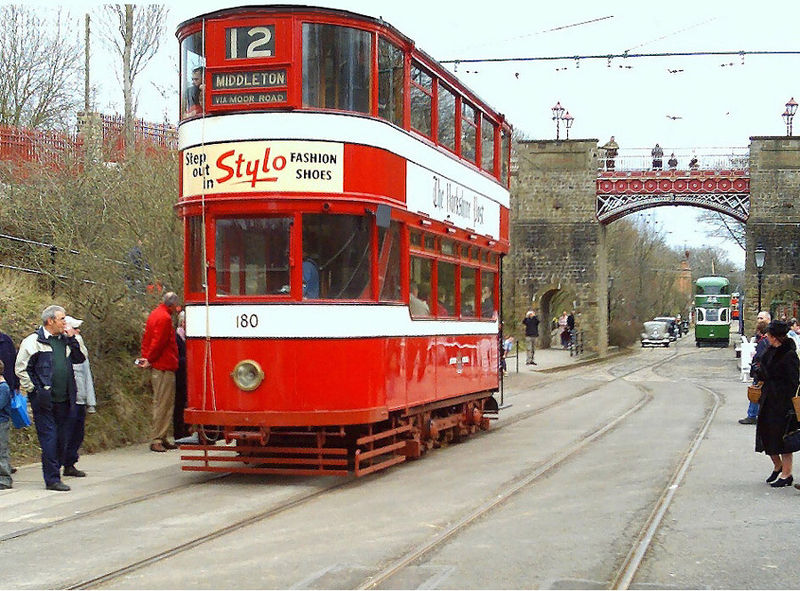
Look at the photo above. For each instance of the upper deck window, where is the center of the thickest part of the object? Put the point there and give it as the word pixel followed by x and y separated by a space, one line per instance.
pixel 505 152
pixel 468 132
pixel 447 118
pixel 487 145
pixel 421 100
pixel 391 73
pixel 193 68
pixel 336 67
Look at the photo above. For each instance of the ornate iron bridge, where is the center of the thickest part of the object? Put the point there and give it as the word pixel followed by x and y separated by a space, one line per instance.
pixel 622 192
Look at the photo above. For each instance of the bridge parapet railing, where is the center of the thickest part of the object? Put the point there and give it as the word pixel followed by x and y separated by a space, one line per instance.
pixel 641 159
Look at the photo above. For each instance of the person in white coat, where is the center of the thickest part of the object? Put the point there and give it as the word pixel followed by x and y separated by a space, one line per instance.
pixel 85 402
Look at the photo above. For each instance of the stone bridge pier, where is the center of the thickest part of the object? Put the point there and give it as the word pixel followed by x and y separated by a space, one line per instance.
pixel 558 257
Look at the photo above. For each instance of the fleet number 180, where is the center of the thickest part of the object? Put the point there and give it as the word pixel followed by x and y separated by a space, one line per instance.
pixel 247 321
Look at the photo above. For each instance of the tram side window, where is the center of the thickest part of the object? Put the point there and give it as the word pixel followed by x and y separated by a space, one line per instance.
pixel 421 93
pixel 389 263
pixel 487 145
pixel 197 254
pixel 252 256
pixel 447 118
pixel 505 147
pixel 723 315
pixel 391 72
pixel 193 65
pixel 468 132
pixel 468 292
pixel 419 292
pixel 700 315
pixel 338 246
pixel 487 294
pixel 336 67
pixel 445 289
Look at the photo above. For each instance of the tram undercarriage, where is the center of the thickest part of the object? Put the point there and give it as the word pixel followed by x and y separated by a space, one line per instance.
pixel 342 450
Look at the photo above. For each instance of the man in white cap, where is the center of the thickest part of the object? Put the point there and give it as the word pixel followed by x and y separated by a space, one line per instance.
pixel 84 402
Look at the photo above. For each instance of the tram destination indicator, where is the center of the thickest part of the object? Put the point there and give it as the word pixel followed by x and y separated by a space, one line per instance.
pixel 248 80
pixel 248 98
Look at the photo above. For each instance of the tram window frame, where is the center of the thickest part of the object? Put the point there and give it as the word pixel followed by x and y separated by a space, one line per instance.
pixel 421 100
pixel 487 144
pixel 390 288
pixel 446 285
pixel 329 52
pixel 415 239
pixel 505 156
pixel 196 253
pixel 248 240
pixel 447 116
pixel 469 132
pixel 328 244
pixel 467 287
pixel 447 247
pixel 192 60
pixel 429 242
pixel 488 280
pixel 391 83
pixel 420 275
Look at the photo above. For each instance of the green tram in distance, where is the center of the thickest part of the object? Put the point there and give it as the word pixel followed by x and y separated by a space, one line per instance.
pixel 712 305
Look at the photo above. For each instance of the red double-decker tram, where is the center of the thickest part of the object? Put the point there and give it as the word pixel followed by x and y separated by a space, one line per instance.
pixel 345 204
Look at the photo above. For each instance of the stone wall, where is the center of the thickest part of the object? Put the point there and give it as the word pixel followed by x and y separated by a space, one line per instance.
pixel 774 221
pixel 557 244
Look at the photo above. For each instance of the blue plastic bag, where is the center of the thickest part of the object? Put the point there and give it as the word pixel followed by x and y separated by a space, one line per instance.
pixel 19 411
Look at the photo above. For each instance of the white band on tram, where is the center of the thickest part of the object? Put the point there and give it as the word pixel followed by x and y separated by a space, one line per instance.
pixel 334 127
pixel 326 321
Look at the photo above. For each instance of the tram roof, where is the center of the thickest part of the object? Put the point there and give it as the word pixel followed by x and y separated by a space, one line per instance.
pixel 379 22
pixel 712 280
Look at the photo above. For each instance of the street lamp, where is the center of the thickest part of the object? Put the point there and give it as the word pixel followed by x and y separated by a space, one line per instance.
pixel 760 255
pixel 558 115
pixel 568 120
pixel 788 115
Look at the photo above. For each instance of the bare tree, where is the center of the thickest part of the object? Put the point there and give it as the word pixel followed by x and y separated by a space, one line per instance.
pixel 134 33
pixel 39 67
pixel 723 226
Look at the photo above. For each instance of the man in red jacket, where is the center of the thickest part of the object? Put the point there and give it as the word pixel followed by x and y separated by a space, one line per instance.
pixel 160 355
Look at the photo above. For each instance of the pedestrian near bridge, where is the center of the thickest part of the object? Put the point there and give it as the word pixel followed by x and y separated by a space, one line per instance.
pixel 531 322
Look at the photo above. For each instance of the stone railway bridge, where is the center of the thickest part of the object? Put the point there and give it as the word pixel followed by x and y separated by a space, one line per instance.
pixel 562 201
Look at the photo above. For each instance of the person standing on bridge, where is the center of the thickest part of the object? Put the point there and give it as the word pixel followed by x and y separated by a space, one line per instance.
pixel 780 371
pixel 658 157
pixel 761 345
pixel 672 162
pixel 531 323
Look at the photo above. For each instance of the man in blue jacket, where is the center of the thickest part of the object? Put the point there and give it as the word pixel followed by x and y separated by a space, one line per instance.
pixel 44 367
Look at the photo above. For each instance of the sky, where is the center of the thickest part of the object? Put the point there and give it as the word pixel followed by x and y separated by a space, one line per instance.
pixel 684 103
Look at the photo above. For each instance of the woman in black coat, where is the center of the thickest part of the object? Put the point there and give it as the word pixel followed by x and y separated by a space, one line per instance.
pixel 778 370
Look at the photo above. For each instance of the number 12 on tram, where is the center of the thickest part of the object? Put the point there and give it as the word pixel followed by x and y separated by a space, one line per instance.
pixel 712 302
pixel 346 208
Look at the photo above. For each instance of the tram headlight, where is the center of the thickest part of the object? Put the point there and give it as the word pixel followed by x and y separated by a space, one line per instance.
pixel 247 375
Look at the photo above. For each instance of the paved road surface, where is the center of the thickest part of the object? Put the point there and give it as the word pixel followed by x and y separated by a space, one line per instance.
pixel 557 495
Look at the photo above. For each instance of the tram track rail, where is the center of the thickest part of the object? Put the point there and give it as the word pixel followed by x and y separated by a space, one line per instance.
pixel 538 472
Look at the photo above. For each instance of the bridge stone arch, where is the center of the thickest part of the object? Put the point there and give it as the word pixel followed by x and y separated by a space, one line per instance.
pixel 561 204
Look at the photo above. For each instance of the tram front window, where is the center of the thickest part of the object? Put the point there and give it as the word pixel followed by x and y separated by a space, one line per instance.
pixel 338 247
pixel 193 64
pixel 337 67
pixel 252 256
pixel 712 315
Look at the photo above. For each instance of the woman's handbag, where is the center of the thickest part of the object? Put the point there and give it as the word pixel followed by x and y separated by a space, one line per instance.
pixel 754 392
pixel 19 411
pixel 791 442
pixel 796 402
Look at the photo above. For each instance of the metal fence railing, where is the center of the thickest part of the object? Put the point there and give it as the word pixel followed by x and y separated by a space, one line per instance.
pixel 685 159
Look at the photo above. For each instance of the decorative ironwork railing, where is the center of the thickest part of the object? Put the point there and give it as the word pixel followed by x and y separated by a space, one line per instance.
pixel 640 159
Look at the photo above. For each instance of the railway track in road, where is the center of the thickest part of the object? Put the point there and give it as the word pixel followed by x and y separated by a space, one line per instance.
pixel 507 491
pixel 626 571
